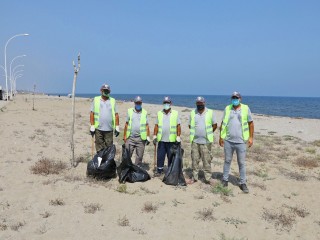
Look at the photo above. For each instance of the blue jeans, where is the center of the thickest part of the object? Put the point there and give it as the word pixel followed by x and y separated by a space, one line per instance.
pixel 162 151
pixel 241 150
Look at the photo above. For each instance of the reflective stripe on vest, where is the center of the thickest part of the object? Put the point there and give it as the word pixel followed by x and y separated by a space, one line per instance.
pixel 97 111
pixel 173 125
pixel 244 121
pixel 143 124
pixel 208 122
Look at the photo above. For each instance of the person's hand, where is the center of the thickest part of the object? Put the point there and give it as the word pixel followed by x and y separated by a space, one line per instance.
pixel 221 142
pixel 178 139
pixel 155 140
pixel 124 139
pixel 250 142
pixel 148 140
pixel 117 131
pixel 92 130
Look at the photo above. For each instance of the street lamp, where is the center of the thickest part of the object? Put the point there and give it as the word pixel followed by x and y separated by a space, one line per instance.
pixel 21 65
pixel 5 57
pixel 15 81
pixel 11 72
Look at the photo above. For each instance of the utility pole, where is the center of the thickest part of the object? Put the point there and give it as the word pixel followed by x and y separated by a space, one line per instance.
pixel 76 70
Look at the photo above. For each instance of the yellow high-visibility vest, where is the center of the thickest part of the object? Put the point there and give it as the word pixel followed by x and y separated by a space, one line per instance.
pixel 97 111
pixel 173 125
pixel 244 121
pixel 208 121
pixel 143 123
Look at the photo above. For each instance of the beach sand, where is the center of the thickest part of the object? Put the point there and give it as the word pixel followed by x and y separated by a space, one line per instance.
pixel 282 169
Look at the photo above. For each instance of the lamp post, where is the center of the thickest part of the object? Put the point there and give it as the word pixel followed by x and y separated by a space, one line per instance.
pixel 11 72
pixel 5 57
pixel 15 80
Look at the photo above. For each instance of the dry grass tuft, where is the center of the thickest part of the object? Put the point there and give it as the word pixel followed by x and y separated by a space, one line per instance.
pixel 296 176
pixel 139 230
pixel 3 227
pixel 299 211
pixel 46 214
pixel 92 208
pixel 123 222
pixel 17 226
pixel 149 207
pixel 259 185
pixel 46 166
pixel 146 190
pixel 282 220
pixel 57 202
pixel 316 143
pixel 205 214
pixel 306 163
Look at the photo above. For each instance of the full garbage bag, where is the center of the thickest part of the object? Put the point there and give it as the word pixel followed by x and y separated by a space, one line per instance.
pixel 174 175
pixel 107 168
pixel 129 172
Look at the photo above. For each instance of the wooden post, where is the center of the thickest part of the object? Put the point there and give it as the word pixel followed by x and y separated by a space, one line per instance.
pixel 34 90
pixel 76 70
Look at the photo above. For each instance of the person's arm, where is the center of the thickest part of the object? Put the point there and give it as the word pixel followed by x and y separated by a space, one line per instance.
pixel 148 130
pixel 117 119
pixel 179 130
pixel 155 130
pixel 251 130
pixel 214 127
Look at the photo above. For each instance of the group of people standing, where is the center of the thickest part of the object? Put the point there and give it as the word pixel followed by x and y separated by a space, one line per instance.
pixel 236 133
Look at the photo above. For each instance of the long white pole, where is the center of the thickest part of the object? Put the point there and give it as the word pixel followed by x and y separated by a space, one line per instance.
pixel 10 74
pixel 5 58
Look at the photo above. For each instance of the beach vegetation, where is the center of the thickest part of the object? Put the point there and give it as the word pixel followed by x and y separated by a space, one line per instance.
pixel 47 166
pixel 311 150
pixel 149 207
pixel 205 214
pixel 307 162
pixel 42 229
pixel 146 190
pixel 300 211
pixel 220 189
pixel 3 227
pixel 57 202
pixel 122 188
pixel 17 226
pixel 139 230
pixel 92 208
pixel 316 143
pixel 234 221
pixel 46 214
pixel 282 220
pixel 262 186
pixel 124 221
pixel 222 236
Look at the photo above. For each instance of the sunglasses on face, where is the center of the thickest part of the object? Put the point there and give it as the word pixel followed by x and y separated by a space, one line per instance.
pixel 234 98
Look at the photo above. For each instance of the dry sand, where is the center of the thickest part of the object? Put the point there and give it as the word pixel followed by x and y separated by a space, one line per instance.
pixel 282 168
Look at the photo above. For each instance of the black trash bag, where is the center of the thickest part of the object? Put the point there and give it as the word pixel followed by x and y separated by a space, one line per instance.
pixel 129 172
pixel 174 175
pixel 107 168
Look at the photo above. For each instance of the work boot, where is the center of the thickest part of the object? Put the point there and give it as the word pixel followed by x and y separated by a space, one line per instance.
pixel 202 177
pixel 244 188
pixel 224 183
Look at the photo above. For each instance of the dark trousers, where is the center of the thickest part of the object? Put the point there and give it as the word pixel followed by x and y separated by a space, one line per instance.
pixel 103 139
pixel 163 150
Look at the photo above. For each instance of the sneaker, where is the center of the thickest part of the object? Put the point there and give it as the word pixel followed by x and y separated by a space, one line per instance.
pixel 224 183
pixel 244 188
pixel 158 174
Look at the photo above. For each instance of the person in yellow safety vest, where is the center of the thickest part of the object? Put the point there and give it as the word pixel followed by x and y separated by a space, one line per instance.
pixel 236 132
pixel 136 130
pixel 167 131
pixel 104 120
pixel 202 124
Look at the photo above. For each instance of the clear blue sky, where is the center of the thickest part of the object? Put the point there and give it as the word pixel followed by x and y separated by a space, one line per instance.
pixel 262 48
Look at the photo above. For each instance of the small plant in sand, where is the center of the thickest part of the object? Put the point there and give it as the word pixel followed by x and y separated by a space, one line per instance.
pixel 122 188
pixel 17 226
pixel 57 202
pixel 259 185
pixel 42 229
pixel 307 162
pixel 139 230
pixel 123 222
pixel 46 166
pixel 205 214
pixel 282 220
pixel 149 207
pixel 220 189
pixel 299 211
pixel 233 221
pixel 311 150
pixel 46 214
pixel 146 190
pixel 316 143
pixel 3 227
pixel 92 208
pixel 224 237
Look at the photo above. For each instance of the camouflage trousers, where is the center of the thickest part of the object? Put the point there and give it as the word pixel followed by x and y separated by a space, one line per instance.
pixel 201 152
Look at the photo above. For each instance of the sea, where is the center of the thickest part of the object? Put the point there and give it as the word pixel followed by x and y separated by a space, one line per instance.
pixel 296 107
